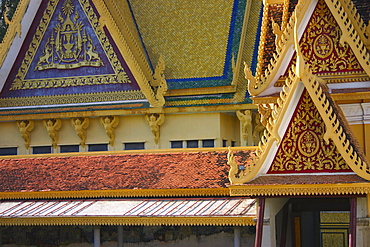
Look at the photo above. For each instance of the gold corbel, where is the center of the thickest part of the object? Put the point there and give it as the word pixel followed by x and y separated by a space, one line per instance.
pixel 155 121
pixel 52 126
pixel 109 123
pixel 25 127
pixel 80 125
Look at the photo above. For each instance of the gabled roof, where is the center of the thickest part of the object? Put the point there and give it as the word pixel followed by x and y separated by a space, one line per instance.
pixel 337 52
pixel 129 47
pixel 307 137
pixel 70 52
pixel 127 174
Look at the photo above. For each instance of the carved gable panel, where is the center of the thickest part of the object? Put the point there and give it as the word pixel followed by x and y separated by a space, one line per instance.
pixel 324 52
pixel 303 148
pixel 68 52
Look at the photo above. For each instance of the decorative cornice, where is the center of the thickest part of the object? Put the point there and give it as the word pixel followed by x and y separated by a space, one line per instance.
pixel 300 189
pixel 103 110
pixel 71 98
pixel 130 221
pixel 115 193
pixel 200 91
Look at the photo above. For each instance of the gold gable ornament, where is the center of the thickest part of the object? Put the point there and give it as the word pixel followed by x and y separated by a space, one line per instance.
pixel 71 47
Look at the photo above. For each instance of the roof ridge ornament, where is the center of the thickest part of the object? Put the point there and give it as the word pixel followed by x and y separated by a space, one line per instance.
pixel 158 85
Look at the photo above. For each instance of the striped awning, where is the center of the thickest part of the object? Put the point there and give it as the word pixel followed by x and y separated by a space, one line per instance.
pixel 169 211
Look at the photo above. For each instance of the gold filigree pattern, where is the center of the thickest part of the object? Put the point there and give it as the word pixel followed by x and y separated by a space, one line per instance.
pixel 71 47
pixel 303 148
pixel 129 221
pixel 321 46
pixel 66 54
pixel 72 98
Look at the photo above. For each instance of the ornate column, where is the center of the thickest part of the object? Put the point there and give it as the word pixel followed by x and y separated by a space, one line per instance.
pixel 260 220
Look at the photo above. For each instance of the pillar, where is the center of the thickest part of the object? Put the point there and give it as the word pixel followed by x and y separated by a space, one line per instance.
pixel 260 219
pixel 119 236
pixel 352 223
pixel 237 236
pixel 97 237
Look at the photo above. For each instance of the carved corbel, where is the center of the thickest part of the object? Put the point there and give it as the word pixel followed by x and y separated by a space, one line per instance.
pixel 155 121
pixel 80 125
pixel 52 126
pixel 245 118
pixel 159 84
pixel 109 123
pixel 25 127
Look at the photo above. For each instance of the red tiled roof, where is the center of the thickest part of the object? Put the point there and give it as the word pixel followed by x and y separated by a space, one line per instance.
pixel 111 172
pixel 307 179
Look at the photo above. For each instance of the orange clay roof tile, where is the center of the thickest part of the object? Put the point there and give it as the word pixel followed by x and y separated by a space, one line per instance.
pixel 126 171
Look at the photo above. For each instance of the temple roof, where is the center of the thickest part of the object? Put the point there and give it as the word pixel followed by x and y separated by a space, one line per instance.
pixel 135 172
pixel 334 54
pixel 156 54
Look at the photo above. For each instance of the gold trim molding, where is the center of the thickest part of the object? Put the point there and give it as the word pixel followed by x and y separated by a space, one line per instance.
pixel 300 189
pixel 130 221
pixel 115 193
pixel 72 98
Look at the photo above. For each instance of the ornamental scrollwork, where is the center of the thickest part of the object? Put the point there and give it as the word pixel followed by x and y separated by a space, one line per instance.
pixel 303 148
pixel 68 46
pixel 321 44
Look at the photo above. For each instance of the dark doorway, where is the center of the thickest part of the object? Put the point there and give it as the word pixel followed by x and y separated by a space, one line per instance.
pixel 307 222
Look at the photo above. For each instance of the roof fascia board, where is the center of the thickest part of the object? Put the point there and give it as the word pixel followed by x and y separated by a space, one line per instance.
pixel 130 221
pixel 301 189
pixel 115 193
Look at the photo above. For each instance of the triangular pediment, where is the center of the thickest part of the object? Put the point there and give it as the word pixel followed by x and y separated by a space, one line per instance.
pixel 303 148
pixel 69 56
pixel 306 133
pixel 333 38
pixel 324 50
